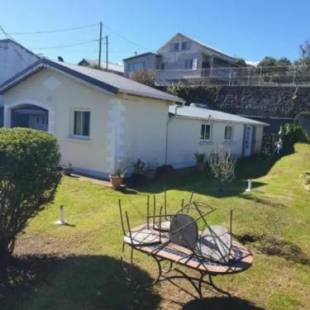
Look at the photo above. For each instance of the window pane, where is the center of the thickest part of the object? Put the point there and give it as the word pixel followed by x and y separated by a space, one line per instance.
pixel 81 123
pixel 202 132
pixel 86 117
pixel 207 132
pixel 228 133
pixel 77 123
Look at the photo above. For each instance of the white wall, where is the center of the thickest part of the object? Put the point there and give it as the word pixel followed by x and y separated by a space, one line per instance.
pixel 145 128
pixel 122 129
pixel 184 140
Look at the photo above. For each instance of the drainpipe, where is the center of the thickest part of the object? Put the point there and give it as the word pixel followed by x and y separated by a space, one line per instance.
pixel 167 132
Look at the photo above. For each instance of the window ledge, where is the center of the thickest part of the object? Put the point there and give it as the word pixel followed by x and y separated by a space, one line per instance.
pixel 79 138
pixel 205 142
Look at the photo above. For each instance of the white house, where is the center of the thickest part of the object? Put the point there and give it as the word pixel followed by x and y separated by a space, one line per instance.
pixel 102 120
pixel 13 59
pixel 195 128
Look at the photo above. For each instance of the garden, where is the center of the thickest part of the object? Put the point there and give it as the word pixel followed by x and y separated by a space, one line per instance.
pixel 78 265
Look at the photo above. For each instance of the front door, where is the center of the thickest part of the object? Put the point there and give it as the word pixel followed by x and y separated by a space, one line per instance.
pixel 247 141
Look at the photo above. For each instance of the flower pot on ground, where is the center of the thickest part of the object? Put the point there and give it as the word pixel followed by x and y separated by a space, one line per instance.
pixel 117 178
pixel 200 161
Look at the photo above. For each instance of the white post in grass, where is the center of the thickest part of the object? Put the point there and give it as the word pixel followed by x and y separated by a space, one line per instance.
pixel 249 186
pixel 61 220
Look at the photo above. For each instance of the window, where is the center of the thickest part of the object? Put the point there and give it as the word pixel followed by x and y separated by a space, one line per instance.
pixel 189 64
pixel 228 133
pixel 175 46
pixel 205 132
pixel 81 123
pixel 185 45
pixel 162 66
pixel 136 66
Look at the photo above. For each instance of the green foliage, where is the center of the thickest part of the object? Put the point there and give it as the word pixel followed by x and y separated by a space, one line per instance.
pixel 241 62
pixel 199 157
pixel 119 172
pixel 305 50
pixel 138 166
pixel 201 94
pixel 29 176
pixel 267 62
pixel 222 165
pixel 290 134
pixel 145 77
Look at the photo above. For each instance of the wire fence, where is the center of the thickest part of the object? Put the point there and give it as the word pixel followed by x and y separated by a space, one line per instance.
pixel 241 76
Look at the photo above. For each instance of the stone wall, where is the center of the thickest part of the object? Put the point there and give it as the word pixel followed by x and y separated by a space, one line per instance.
pixel 265 102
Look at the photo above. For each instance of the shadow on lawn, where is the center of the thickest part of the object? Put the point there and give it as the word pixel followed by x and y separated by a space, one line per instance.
pixel 220 303
pixel 189 179
pixel 75 282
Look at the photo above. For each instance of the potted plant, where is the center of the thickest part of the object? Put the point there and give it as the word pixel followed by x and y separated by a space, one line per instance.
pixel 137 176
pixel 68 169
pixel 200 161
pixel 117 178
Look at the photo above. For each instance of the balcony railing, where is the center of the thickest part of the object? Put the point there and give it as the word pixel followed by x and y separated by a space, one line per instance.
pixel 241 76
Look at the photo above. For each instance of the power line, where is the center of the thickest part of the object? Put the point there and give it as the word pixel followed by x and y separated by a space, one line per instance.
pixel 64 46
pixel 54 31
pixel 123 37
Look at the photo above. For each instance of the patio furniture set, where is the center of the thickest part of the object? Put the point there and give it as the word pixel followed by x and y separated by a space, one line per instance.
pixel 176 239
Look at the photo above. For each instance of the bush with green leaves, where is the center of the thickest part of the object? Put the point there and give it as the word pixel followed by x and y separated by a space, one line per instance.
pixel 222 165
pixel 29 176
pixel 290 134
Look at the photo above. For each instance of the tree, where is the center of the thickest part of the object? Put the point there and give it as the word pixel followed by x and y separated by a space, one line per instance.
pixel 305 49
pixel 145 77
pixel 283 62
pixel 241 62
pixel 267 62
pixel 222 165
pixel 29 176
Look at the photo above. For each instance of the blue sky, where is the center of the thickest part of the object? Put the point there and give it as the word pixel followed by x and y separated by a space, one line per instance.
pixel 250 29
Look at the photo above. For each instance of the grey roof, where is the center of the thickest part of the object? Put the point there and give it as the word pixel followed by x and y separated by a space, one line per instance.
pixel 140 55
pixel 208 114
pixel 112 66
pixel 21 46
pixel 108 81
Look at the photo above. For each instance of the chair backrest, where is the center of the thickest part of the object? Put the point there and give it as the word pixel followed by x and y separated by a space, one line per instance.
pixel 184 231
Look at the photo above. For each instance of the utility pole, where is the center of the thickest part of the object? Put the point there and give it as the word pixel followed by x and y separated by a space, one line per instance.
pixel 107 52
pixel 100 45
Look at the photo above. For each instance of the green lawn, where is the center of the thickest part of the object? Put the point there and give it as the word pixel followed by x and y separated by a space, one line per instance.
pixel 78 266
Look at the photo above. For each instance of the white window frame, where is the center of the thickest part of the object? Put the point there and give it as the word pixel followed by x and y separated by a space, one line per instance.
pixel 203 139
pixel 73 135
pixel 231 132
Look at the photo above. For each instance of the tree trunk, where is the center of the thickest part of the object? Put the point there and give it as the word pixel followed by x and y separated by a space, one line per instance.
pixel 4 255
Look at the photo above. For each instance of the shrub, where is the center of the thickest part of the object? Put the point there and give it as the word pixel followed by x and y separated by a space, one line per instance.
pixel 138 166
pixel 29 176
pixel 222 165
pixel 145 77
pixel 199 157
pixel 290 134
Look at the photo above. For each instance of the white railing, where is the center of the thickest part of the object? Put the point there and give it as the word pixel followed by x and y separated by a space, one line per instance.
pixel 243 76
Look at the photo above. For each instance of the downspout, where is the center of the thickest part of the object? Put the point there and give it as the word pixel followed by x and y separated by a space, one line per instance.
pixel 167 133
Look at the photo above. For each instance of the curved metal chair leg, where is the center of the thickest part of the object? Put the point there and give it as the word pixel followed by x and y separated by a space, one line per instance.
pixel 160 270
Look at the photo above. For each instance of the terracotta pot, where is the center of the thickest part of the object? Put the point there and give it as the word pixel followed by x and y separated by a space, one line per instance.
pixel 116 181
